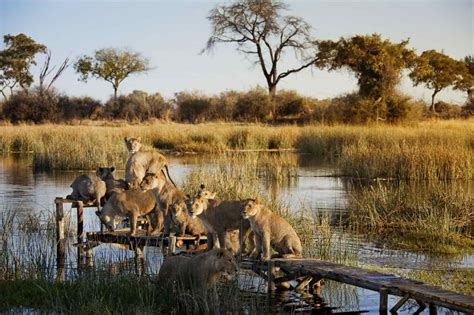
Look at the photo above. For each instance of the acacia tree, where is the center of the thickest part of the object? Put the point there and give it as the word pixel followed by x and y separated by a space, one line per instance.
pixel 377 63
pixel 112 65
pixel 260 31
pixel 16 60
pixel 437 72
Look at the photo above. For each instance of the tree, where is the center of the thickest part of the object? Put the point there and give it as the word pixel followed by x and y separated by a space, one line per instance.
pixel 437 72
pixel 260 31
pixel 466 81
pixel 15 62
pixel 112 65
pixel 377 63
pixel 46 70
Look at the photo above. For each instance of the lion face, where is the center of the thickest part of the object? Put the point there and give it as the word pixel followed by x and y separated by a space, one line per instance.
pixel 197 206
pixel 106 220
pixel 226 264
pixel 133 144
pixel 150 181
pixel 104 172
pixel 251 208
pixel 178 211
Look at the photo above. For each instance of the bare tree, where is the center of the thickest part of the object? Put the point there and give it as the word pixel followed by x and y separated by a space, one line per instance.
pixel 46 70
pixel 259 30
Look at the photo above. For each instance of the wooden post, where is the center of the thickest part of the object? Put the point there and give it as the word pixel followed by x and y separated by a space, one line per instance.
pixel 80 231
pixel 383 307
pixel 60 239
pixel 171 244
pixel 270 285
pixel 89 257
pixel 433 310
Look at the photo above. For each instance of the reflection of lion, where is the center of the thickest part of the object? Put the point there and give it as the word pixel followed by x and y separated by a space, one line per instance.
pixel 88 189
pixel 140 162
pixel 271 231
pixel 219 217
pixel 199 273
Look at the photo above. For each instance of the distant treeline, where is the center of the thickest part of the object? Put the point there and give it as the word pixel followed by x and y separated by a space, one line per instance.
pixel 255 105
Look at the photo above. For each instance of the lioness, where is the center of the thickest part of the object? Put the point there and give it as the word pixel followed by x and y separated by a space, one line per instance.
pixel 140 162
pixel 113 185
pixel 271 231
pixel 132 204
pixel 199 273
pixel 167 197
pixel 88 189
pixel 219 217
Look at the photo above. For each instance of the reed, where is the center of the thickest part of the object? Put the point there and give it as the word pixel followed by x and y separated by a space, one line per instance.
pixel 438 219
pixel 429 150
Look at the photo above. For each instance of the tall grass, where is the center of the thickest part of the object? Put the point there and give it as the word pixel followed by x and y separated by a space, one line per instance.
pixel 438 219
pixel 439 150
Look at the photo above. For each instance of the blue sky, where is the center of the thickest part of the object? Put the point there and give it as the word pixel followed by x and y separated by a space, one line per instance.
pixel 172 33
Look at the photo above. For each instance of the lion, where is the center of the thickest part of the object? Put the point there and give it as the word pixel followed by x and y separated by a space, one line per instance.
pixel 132 204
pixel 88 189
pixel 113 185
pixel 199 273
pixel 140 162
pixel 271 231
pixel 184 223
pixel 219 217
pixel 168 198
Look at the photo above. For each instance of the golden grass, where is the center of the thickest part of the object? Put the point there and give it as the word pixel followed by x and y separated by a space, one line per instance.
pixel 429 150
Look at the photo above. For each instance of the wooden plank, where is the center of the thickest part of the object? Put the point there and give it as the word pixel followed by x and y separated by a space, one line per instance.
pixel 399 304
pixel 383 305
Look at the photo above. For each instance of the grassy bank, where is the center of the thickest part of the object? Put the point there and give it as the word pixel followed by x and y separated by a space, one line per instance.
pixel 437 219
pixel 430 150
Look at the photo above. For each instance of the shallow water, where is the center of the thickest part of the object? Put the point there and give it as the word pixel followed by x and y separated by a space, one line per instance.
pixel 317 188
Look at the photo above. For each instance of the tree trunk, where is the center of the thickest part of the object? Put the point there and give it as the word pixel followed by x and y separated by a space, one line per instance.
pixel 115 92
pixel 272 93
pixel 433 109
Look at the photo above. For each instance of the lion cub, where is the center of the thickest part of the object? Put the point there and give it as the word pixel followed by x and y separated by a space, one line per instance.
pixel 220 218
pixel 113 185
pixel 140 162
pixel 87 189
pixel 271 231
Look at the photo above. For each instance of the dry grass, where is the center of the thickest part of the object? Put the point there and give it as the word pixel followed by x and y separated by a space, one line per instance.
pixel 429 150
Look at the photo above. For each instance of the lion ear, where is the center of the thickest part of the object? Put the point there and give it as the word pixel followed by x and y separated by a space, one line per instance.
pixel 202 186
pixel 188 196
pixel 112 169
pixel 125 139
pixel 258 200
pixel 139 139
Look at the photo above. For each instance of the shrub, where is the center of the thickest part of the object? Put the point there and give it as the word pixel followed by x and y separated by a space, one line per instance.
pixel 81 108
pixel 193 107
pixel 255 105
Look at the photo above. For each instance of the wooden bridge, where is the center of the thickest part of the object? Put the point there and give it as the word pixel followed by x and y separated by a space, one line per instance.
pixel 306 272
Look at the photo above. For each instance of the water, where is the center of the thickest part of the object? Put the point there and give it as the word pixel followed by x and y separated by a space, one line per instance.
pixel 317 188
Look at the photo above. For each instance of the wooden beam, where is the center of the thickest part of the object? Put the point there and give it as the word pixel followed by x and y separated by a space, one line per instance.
pixel 399 304
pixel 60 240
pixel 421 307
pixel 270 283
pixel 383 306
pixel 300 287
pixel 433 310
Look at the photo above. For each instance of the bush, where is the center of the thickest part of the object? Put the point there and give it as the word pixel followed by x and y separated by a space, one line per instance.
pixel 193 107
pixel 255 105
pixel 81 108
pixel 290 103
pixel 34 106
pixel 138 105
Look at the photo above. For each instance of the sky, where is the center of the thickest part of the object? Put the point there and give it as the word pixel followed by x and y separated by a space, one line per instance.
pixel 171 34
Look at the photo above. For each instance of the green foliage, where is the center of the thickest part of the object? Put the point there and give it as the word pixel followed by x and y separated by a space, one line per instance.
pixel 16 60
pixel 437 71
pixel 112 65
pixel 376 63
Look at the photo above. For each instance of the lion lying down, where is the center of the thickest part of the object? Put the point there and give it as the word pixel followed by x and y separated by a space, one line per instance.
pixel 199 273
